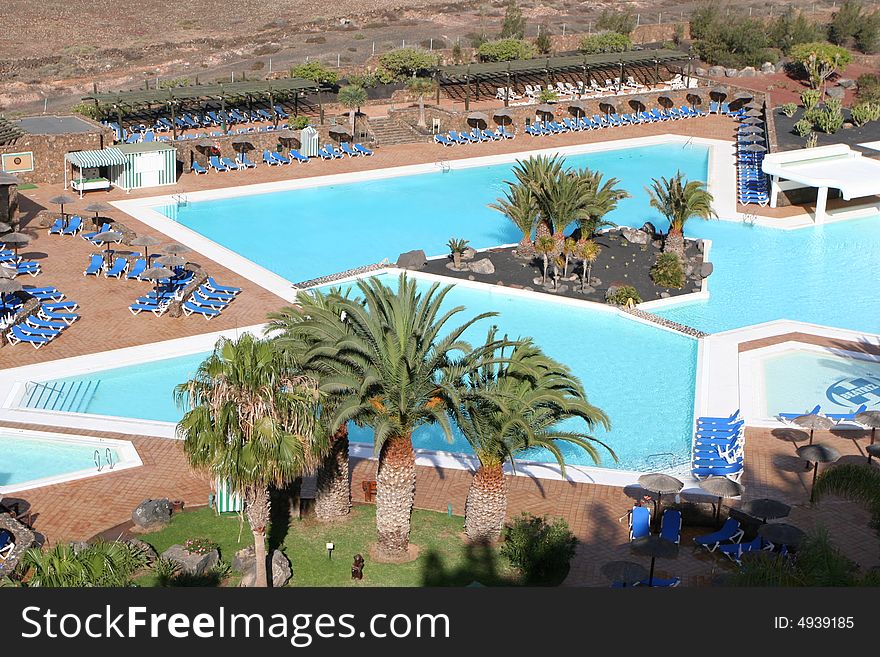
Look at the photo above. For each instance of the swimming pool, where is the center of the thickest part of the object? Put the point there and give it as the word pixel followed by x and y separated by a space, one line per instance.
pixel 792 379
pixel 31 459
pixel 643 377
pixel 307 233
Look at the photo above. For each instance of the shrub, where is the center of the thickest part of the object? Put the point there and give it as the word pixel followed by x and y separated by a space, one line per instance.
pixel 505 50
pixel 810 98
pixel 789 109
pixel 543 42
pixel 514 24
pixel 803 127
pixel 605 42
pixel 315 71
pixel 792 28
pixel 620 296
pixel 862 113
pixel 199 545
pixel 727 40
pixel 820 60
pixel 172 83
pixel 89 110
pixel 548 95
pixel 366 79
pixel 851 24
pixel 869 87
pixel 540 550
pixel 812 140
pixel 408 62
pixel 622 22
pixel 667 271
pixel 297 122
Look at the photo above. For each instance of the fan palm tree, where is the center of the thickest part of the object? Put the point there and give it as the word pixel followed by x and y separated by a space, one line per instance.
pixel 679 200
pixel 421 87
pixel 352 97
pixel 602 198
pixel 388 359
pixel 518 205
pixel 251 423
pixel 545 246
pixel 101 563
pixel 333 489
pixel 587 251
pixel 515 405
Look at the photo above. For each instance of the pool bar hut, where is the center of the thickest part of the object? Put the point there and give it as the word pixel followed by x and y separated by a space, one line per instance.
pixel 127 166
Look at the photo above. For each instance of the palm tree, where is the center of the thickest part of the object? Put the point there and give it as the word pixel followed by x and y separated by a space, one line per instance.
pixel 513 406
pixel 545 246
pixel 101 563
pixel 535 173
pixel 251 423
pixel 387 358
pixel 602 198
pixel 421 87
pixel 518 205
pixel 680 200
pixel 352 97
pixel 333 489
pixel 587 251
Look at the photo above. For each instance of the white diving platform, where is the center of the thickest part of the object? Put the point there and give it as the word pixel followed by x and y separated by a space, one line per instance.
pixel 824 167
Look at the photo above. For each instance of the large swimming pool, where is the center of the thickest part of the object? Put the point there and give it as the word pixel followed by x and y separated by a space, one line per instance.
pixel 641 376
pixel 306 233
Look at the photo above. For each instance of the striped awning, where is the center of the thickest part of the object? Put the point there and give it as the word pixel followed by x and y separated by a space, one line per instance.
pixel 103 158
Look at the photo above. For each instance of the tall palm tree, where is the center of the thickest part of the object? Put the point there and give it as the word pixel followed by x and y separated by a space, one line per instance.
pixel 512 406
pixel 333 490
pixel 395 370
pixel 251 423
pixel 587 251
pixel 602 198
pixel 102 563
pixel 536 173
pixel 352 97
pixel 518 205
pixel 421 87
pixel 679 200
pixel 545 246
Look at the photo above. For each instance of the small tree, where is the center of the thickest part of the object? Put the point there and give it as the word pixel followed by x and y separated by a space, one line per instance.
pixel 569 247
pixel 543 42
pixel 421 87
pixel 315 71
pixel 545 246
pixel 667 271
pixel 457 247
pixel 505 50
pixel 457 54
pixel 352 97
pixel 514 24
pixel 622 22
pixel 821 61
pixel 408 62
pixel 605 42
pixel 587 252
pixel 548 95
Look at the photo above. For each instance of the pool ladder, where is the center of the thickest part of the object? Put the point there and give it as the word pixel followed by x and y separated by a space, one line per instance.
pixel 108 455
pixel 180 199
pixel 69 396
pixel 444 165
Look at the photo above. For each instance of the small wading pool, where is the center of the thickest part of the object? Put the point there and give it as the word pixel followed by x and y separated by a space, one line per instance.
pixel 30 459
pixel 794 378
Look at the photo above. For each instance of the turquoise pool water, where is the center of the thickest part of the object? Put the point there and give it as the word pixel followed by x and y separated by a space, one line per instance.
pixel 26 459
pixel 800 379
pixel 307 233
pixel 641 376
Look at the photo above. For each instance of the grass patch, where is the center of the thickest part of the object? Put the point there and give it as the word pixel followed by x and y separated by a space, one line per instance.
pixel 27 186
pixel 444 559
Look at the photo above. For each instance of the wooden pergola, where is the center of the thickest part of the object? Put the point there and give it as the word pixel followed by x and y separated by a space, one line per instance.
pixel 122 103
pixel 508 73
pixel 9 132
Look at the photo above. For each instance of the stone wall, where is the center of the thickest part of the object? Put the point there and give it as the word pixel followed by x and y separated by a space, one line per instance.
pixel 49 151
pixel 24 538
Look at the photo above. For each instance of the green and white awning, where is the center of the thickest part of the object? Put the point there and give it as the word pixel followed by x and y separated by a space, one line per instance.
pixel 103 158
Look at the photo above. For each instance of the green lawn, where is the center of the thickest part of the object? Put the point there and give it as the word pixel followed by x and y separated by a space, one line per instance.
pixel 444 560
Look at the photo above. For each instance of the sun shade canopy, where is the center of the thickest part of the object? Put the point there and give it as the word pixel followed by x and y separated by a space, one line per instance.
pixel 103 158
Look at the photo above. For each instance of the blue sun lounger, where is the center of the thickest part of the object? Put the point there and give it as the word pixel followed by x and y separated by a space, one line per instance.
pixel 660 582
pixel 670 526
pixel 57 226
pixel 190 308
pixel 504 132
pixel 279 158
pixel 229 163
pixel 208 293
pixel 730 532
pixel 73 226
pixel 198 168
pixel 346 148
pixel 299 157
pixel 216 164
pixel 67 305
pixel 67 318
pixel 791 416
pixel 719 420
pixel 847 417
pixel 138 268
pixel 440 139
pixel 639 522
pixel 37 322
pixel 216 287
pixel 118 268
pixel 95 265
pixel 734 551
pixel 245 161
pixel 199 300
pixel 90 236
pixel 18 335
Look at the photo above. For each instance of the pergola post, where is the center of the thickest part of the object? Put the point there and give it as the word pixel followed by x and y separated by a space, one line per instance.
pixel 656 71
pixel 620 79
pixel 272 109
pixel 295 103
pixel 171 104
pixel 586 72
pixel 507 88
pixel 320 106
pixel 467 91
pixel 821 202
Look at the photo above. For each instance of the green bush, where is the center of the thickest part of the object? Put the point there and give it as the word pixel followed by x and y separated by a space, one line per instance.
pixel 791 28
pixel 367 79
pixel 620 296
pixel 505 50
pixel 298 122
pixel 869 87
pixel 541 551
pixel 803 127
pixel 543 42
pixel 727 40
pixel 514 24
pixel 605 42
pixel 173 83
pixel 408 62
pixel 622 22
pixel 810 98
pixel 667 271
pixel 315 71
pixel 862 113
pixel 789 109
pixel 89 110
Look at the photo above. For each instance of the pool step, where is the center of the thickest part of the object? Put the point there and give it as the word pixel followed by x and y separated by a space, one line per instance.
pixel 67 396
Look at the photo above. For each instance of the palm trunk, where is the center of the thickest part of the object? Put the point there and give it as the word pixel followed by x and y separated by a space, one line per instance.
pixel 257 512
pixel 565 271
pixel 333 495
pixel 395 495
pixel 422 123
pixel 544 280
pixel 590 273
pixel 486 505
pixel 543 229
pixel 525 247
pixel 351 114
pixel 674 243
pixel 584 275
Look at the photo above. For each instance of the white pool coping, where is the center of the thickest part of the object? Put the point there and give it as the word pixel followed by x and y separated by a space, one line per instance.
pixel 128 455
pixel 721 183
pixel 720 381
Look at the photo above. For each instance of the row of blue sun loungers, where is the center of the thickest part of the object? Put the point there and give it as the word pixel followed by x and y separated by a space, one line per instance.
pixel 9 260
pixel 718 447
pixel 727 541
pixel 208 300
pixel 670 530
pixel 816 410
pixel 475 136
pixel 189 121
pixel 54 315
pixel 273 158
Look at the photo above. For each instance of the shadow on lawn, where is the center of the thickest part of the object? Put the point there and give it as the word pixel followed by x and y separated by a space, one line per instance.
pixel 478 567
